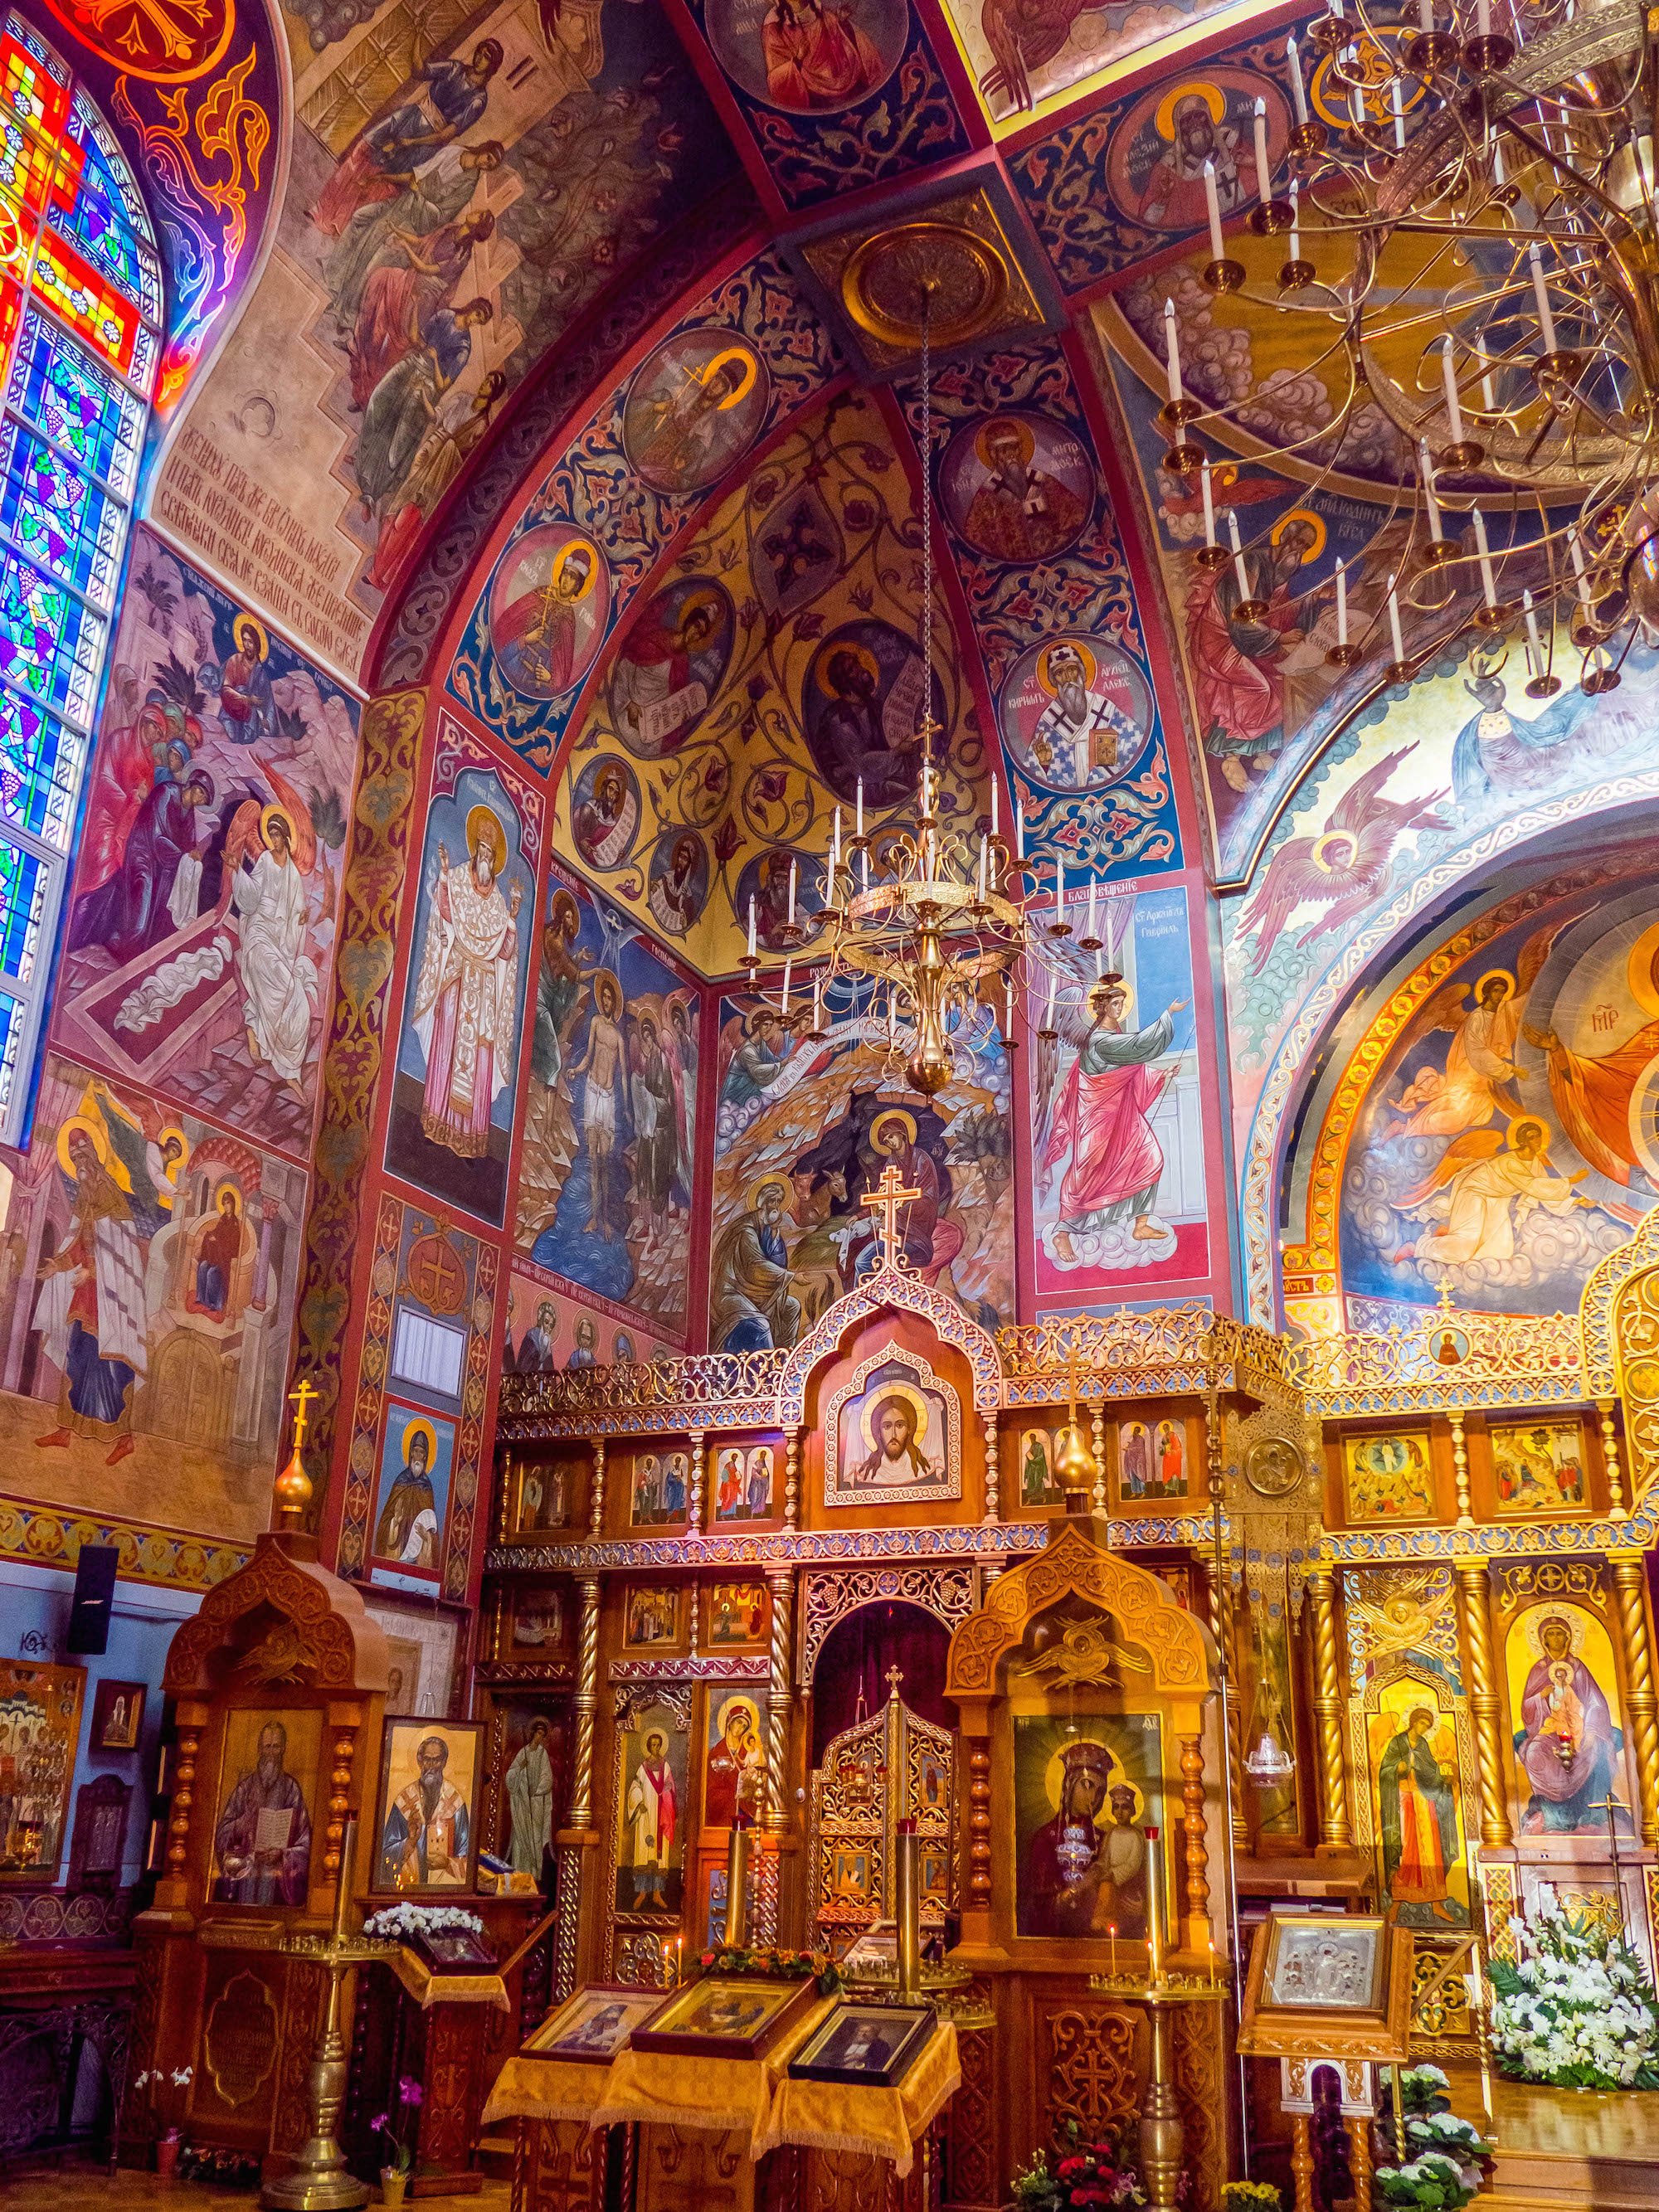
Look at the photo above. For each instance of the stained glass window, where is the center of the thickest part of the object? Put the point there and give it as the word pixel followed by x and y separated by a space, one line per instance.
pixel 80 335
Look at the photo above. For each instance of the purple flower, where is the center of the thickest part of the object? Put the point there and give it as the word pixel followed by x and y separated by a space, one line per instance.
pixel 378 2123
pixel 409 2090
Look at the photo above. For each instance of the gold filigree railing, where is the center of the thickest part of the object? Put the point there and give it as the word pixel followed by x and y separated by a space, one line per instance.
pixel 1454 1358
pixel 1174 1348
pixel 702 1378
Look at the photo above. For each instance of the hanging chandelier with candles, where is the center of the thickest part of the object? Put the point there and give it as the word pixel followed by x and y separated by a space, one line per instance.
pixel 935 921
pixel 1471 250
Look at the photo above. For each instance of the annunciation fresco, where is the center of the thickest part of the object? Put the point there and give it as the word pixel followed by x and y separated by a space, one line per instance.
pixel 607 1174
pixel 456 203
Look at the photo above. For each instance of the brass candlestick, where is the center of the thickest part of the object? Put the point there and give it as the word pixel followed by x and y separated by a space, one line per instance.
pixel 319 2181
pixel 737 1883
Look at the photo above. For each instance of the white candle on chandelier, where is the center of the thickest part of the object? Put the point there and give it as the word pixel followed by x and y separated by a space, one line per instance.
pixel 788 965
pixel 1239 571
pixel 984 863
pixel 1483 18
pixel 1295 223
pixel 1393 622
pixel 1208 491
pixel 1100 970
pixel 1053 986
pixel 1008 1007
pixel 1059 890
pixel 1297 95
pixel 1449 377
pixel 1578 553
pixel 1094 885
pixel 1341 602
pixel 751 929
pixel 1212 205
pixel 1263 167
pixel 892 1017
pixel 1488 584
pixel 1398 115
pixel 834 856
pixel 817 1002
pixel 994 803
pixel 792 894
pixel 860 830
pixel 1540 292
pixel 1535 643
pixel 1425 16
pixel 1497 162
pixel 1425 472
pixel 1019 833
pixel 1356 107
pixel 864 868
pixel 1171 353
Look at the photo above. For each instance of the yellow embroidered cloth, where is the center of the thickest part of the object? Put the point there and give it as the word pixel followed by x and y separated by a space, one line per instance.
pixel 879 2123
pixel 722 2095
pixel 531 2088
pixel 429 1989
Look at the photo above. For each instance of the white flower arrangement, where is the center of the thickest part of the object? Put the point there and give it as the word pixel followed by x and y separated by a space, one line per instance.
pixel 403 1923
pixel 1577 2010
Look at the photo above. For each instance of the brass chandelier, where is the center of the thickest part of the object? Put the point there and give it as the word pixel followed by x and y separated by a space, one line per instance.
pixel 935 917
pixel 1468 204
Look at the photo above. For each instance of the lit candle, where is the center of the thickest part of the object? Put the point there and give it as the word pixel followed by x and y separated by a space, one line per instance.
pixel 1295 223
pixel 1172 353
pixel 1426 470
pixel 861 817
pixel 1213 204
pixel 1211 1948
pixel 792 894
pixel 1238 556
pixel 1293 64
pixel 667 1954
pixel 1394 621
pixel 679 1960
pixel 1398 115
pixel 1205 486
pixel 786 967
pixel 1449 379
pixel 1535 643
pixel 1111 1933
pixel 1487 582
pixel 751 929
pixel 1263 166
pixel 1546 320
pixel 1341 602
pixel 1297 95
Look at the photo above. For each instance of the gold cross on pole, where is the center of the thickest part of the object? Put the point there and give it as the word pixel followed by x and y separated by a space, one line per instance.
pixel 886 1199
pixel 300 1400
pixel 895 1676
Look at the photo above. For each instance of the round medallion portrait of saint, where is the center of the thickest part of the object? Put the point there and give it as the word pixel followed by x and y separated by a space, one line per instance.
pixel 1076 713
pixel 808 57
pixel 678 886
pixel 605 811
pixel 695 406
pixel 862 706
pixel 548 610
pixel 669 666
pixel 1155 168
pixel 1018 487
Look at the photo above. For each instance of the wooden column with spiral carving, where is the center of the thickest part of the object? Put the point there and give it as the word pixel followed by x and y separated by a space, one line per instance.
pixel 1475 1595
pixel 596 1510
pixel 344 1722
pixel 1335 1826
pixel 978 1823
pixel 1641 1708
pixel 792 1478
pixel 1197 1856
pixel 699 1466
pixel 586 1703
pixel 191 1720
pixel 1617 1508
pixel 1223 1626
pixel 1460 1471
pixel 1098 1446
pixel 993 1470
pixel 781 1584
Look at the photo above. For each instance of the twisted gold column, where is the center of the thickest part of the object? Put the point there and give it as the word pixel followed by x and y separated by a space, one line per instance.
pixel 699 1465
pixel 586 1703
pixel 1336 1827
pixel 1099 1442
pixel 1617 1510
pixel 596 1509
pixel 1641 1708
pixel 791 1479
pixel 993 1470
pixel 781 1584
pixel 1460 1472
pixel 1474 1592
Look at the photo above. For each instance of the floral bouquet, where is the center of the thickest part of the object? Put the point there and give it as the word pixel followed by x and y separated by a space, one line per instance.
pixel 403 1923
pixel 1086 2175
pixel 1577 2010
pixel 1250 2196
pixel 774 1962
pixel 1432 2127
pixel 1436 2182
pixel 394 2127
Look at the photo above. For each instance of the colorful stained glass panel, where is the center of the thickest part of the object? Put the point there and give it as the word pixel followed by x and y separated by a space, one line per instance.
pixel 14 1031
pixel 51 645
pixel 90 153
pixel 58 517
pixel 23 880
pixel 80 297
pixel 28 167
pixel 79 407
pixel 33 80
pixel 41 764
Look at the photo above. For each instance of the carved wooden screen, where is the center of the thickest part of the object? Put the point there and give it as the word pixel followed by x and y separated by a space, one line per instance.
pixel 893 1767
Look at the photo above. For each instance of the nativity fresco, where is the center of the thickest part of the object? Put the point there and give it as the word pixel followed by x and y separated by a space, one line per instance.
pixel 1503 1147
pixel 1117 1146
pixel 198 954
pixel 605 1177
pixel 805 1129
pixel 757 690
pixel 147 1267
pixel 456 203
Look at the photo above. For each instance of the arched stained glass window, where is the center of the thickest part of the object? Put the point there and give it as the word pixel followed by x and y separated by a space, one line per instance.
pixel 80 335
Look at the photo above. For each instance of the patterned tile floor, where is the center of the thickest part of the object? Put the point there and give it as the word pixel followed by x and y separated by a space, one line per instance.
pixel 84 2188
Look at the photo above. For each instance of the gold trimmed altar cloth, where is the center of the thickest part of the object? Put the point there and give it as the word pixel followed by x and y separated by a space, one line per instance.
pixel 720 2096
pixel 875 2122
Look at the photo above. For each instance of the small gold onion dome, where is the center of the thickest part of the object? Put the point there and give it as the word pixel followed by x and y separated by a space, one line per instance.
pixel 1074 1463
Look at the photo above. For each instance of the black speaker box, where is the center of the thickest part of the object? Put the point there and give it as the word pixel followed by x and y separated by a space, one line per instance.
pixel 95 1590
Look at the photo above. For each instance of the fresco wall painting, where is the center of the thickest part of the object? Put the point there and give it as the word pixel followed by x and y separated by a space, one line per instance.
pixel 606 1163
pixel 459 201
pixel 1027 60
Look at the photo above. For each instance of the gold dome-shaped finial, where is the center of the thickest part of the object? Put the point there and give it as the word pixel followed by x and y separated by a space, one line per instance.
pixel 1074 1462
pixel 293 1486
